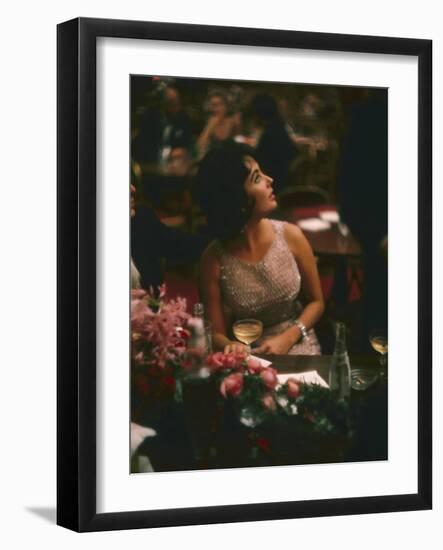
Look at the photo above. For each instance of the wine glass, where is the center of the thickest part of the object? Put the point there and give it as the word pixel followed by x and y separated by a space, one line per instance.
pixel 379 341
pixel 247 331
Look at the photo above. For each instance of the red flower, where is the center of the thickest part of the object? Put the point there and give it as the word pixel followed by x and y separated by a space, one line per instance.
pixel 293 388
pixel 183 333
pixel 169 381
pixel 232 385
pixel 254 365
pixel 215 360
pixel 269 377
pixel 269 402
pixel 263 444
pixel 229 361
pixel 220 361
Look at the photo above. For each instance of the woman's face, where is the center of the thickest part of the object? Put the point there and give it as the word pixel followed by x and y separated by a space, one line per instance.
pixel 217 106
pixel 259 187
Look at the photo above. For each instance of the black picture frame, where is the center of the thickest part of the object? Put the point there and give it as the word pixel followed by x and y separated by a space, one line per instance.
pixel 77 249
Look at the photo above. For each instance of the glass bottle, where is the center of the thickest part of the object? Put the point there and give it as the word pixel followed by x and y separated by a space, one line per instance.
pixel 197 339
pixel 198 311
pixel 340 370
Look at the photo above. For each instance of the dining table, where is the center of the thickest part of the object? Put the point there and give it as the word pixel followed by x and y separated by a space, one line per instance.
pixel 202 436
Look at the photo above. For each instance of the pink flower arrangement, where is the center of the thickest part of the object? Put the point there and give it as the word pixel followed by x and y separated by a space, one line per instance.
pixel 157 332
pixel 239 374
pixel 163 362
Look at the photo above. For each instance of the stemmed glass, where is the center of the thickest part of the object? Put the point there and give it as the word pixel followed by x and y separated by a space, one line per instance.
pixel 379 341
pixel 247 331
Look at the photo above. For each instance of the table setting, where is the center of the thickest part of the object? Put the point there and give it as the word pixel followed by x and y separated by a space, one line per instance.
pixel 208 409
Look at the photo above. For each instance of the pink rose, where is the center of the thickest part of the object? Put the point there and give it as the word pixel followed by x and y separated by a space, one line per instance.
pixel 254 366
pixel 269 402
pixel 269 377
pixel 229 361
pixel 215 360
pixel 232 385
pixel 293 388
pixel 240 356
pixel 220 360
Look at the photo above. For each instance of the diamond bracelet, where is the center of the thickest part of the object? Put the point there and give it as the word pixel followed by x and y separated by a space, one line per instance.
pixel 302 328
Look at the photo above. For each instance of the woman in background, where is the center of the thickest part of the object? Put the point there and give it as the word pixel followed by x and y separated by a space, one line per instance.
pixel 221 126
pixel 255 267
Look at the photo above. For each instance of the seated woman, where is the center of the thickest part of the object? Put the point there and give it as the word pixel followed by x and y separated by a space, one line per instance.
pixel 221 126
pixel 256 267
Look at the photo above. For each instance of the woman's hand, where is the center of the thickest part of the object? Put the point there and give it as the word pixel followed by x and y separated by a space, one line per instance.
pixel 213 122
pixel 236 347
pixel 276 345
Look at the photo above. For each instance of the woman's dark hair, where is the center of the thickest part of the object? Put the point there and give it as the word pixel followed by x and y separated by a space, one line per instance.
pixel 221 192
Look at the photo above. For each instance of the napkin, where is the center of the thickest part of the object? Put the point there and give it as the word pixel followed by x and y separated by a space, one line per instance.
pixel 138 435
pixel 330 216
pixel 308 377
pixel 314 224
pixel 263 362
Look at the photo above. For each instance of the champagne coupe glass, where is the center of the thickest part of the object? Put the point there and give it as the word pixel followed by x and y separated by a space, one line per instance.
pixel 379 341
pixel 247 331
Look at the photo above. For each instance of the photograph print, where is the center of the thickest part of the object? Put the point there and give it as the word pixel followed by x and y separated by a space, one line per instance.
pixel 259 274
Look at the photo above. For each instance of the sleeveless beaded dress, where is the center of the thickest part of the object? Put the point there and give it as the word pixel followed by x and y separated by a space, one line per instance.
pixel 266 290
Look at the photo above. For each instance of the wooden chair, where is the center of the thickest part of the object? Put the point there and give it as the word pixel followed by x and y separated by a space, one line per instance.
pixel 302 196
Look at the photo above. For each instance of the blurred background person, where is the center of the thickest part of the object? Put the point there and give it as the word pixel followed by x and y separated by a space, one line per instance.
pixel 222 125
pixel 314 128
pixel 274 151
pixel 363 191
pixel 313 142
pixel 163 127
pixel 152 243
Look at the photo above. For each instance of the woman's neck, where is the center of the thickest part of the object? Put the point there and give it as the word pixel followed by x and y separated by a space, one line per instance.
pixel 253 234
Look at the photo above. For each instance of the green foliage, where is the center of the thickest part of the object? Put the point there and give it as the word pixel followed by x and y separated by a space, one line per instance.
pixel 328 413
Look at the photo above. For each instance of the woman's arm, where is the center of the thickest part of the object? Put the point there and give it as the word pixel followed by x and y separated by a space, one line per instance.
pixel 210 282
pixel 204 138
pixel 310 279
pixel 311 286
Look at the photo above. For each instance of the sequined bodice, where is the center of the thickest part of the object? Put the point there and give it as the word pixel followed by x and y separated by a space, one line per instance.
pixel 266 290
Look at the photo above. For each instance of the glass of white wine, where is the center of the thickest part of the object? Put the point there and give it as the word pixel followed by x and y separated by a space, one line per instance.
pixel 379 342
pixel 247 331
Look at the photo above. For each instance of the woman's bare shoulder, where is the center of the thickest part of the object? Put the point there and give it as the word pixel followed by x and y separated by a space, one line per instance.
pixel 292 232
pixel 295 238
pixel 210 260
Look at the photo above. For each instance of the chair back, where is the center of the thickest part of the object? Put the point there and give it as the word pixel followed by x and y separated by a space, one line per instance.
pixel 302 196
